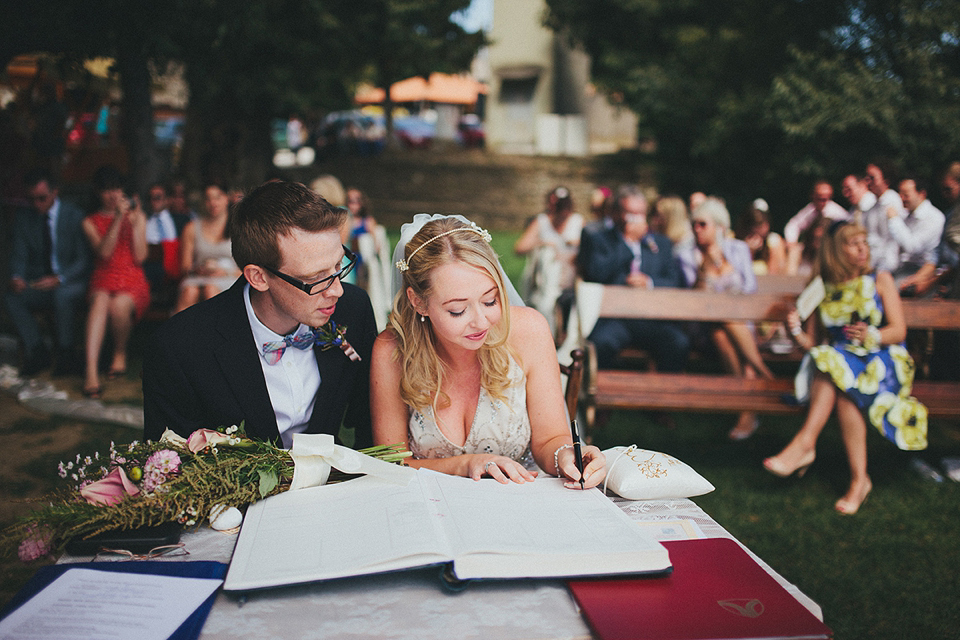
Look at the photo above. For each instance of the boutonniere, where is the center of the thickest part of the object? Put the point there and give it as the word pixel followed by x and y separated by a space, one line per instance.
pixel 651 244
pixel 330 335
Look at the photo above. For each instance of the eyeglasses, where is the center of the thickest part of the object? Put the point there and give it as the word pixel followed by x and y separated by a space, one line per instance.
pixel 319 286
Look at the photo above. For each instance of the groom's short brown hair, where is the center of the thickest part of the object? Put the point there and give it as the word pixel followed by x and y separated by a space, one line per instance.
pixel 272 210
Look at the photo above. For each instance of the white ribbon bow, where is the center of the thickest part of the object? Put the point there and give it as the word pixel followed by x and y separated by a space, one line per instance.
pixel 315 453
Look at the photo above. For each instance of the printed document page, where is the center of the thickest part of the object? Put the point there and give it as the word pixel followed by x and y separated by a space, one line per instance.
pixel 86 603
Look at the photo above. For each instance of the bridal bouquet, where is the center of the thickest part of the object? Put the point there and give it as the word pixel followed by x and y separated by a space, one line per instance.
pixel 185 480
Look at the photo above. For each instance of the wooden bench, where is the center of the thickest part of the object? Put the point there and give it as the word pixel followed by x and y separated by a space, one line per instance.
pixel 644 389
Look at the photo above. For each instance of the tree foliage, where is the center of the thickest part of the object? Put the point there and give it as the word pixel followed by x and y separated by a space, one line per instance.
pixel 246 62
pixel 760 97
pixel 406 38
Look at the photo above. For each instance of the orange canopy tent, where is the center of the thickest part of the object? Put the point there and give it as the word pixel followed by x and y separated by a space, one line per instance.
pixel 440 87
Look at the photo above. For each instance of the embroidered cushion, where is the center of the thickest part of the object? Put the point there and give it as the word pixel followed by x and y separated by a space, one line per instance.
pixel 640 474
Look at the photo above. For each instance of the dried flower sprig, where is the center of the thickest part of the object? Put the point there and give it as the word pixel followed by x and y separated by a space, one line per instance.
pixel 151 483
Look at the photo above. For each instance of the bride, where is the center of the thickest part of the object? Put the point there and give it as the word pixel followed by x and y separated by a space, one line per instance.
pixel 470 382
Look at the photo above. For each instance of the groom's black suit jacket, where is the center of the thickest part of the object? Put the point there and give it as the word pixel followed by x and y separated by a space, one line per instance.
pixel 202 370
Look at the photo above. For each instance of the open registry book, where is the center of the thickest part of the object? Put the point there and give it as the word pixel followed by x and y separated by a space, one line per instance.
pixel 485 529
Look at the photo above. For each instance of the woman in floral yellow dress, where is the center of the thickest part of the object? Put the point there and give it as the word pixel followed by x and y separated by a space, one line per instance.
pixel 861 370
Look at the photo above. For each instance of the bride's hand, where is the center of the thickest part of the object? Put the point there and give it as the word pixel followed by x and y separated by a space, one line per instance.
pixel 500 468
pixel 594 467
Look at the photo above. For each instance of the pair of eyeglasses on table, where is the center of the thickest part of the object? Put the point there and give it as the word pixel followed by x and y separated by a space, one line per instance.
pixel 313 288
pixel 167 550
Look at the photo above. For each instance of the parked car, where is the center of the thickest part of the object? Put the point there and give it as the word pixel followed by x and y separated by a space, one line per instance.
pixel 349 132
pixel 413 132
pixel 470 131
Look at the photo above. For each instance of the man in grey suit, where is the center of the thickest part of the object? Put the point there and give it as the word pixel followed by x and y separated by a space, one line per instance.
pixel 49 269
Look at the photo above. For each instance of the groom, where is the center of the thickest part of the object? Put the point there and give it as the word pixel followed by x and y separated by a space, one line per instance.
pixel 233 358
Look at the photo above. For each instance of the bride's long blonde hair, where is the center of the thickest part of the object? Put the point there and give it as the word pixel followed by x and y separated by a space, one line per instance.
pixel 440 242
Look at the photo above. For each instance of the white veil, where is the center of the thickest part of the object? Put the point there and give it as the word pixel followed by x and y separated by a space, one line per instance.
pixel 410 229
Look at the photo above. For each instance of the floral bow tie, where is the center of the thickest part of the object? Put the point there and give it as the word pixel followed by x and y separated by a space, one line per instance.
pixel 325 337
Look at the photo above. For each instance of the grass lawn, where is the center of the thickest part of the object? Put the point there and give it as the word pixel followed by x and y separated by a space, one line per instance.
pixel 891 571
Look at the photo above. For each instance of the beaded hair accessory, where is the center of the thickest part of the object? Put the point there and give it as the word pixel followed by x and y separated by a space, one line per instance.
pixel 472 227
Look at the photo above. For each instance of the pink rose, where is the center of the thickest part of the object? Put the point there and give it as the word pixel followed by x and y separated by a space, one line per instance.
pixel 111 489
pixel 35 545
pixel 203 438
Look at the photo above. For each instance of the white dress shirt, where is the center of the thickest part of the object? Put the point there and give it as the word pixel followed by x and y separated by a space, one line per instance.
pixel 918 235
pixel 52 221
pixel 160 227
pixel 884 248
pixel 292 382
pixel 805 218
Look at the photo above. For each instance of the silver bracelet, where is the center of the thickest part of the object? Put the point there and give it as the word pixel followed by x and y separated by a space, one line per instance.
pixel 556 457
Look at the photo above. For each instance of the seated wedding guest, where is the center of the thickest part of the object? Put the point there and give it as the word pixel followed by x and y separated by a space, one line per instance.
pixel 951 193
pixel 601 201
pixel 331 189
pixel 627 254
pixel 945 279
pixel 858 195
pixel 821 206
pixel 940 278
pixel 49 267
pixel 767 247
pixel 918 235
pixel 265 351
pixel 551 242
pixel 369 241
pixel 861 367
pixel 179 207
pixel 205 257
pixel 119 292
pixel 723 265
pixel 470 382
pixel 884 248
pixel 696 199
pixel 676 221
pixel 362 216
pixel 811 241
pixel 162 266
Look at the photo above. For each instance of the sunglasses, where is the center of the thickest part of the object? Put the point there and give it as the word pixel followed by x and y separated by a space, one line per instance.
pixel 313 288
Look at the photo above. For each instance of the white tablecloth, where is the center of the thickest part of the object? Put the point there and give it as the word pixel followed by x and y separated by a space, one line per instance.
pixel 413 604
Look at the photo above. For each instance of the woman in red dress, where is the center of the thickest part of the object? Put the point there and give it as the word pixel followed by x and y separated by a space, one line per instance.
pixel 119 292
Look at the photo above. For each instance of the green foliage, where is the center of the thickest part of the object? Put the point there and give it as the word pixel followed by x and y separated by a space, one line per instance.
pixel 246 62
pixel 761 97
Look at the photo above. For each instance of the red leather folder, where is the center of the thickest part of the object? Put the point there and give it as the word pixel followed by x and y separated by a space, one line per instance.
pixel 716 591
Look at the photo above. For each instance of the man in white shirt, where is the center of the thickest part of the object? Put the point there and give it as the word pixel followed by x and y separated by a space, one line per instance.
pixel 821 206
pixel 856 192
pixel 918 234
pixel 162 260
pixel 884 248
